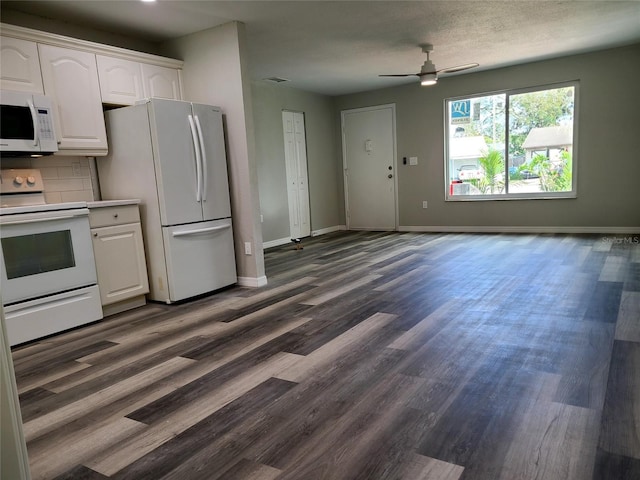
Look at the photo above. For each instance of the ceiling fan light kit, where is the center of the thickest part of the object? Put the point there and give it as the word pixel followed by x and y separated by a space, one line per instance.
pixel 428 74
pixel 428 79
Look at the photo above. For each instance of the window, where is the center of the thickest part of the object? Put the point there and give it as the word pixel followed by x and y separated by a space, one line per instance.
pixel 514 144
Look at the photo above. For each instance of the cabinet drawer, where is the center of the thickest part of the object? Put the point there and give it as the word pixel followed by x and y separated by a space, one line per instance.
pixel 108 216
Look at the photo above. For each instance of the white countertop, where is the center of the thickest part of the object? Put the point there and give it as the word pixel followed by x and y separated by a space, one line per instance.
pixel 113 203
pixel 47 207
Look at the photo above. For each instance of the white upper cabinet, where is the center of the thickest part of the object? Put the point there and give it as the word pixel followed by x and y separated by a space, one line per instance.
pixel 162 82
pixel 120 80
pixel 70 78
pixel 79 76
pixel 20 66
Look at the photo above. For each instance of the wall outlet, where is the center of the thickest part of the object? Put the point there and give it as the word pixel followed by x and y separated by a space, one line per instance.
pixel 77 170
pixel 247 248
pixel 424 204
pixel 413 160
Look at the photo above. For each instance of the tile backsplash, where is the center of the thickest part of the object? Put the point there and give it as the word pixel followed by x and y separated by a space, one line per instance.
pixel 66 179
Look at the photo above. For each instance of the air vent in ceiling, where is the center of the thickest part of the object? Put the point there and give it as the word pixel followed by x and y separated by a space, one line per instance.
pixel 276 79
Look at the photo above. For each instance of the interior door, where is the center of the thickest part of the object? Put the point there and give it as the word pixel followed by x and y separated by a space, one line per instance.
pixel 215 200
pixel 175 162
pixel 297 178
pixel 368 142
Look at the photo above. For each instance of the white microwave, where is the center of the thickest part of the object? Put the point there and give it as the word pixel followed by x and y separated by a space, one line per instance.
pixel 26 124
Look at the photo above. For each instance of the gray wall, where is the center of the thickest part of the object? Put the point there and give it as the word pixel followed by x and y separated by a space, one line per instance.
pixel 269 101
pixel 607 153
pixel 78 31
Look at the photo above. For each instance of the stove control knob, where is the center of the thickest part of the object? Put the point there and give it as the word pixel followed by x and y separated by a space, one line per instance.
pixel 31 180
pixel 18 180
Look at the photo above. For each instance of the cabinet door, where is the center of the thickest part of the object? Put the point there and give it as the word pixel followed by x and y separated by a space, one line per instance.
pixel 70 78
pixel 120 262
pixel 20 66
pixel 120 80
pixel 161 82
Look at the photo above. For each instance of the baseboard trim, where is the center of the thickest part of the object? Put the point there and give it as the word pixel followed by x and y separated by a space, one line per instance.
pixel 276 243
pixel 505 229
pixel 324 231
pixel 314 233
pixel 254 282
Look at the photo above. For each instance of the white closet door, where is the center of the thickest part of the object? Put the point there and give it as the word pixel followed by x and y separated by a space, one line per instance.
pixel 297 177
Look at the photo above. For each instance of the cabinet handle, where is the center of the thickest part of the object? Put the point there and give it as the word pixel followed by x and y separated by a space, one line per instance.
pixel 95 234
pixel 115 215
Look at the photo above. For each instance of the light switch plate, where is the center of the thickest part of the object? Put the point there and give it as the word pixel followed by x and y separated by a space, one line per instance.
pixel 413 160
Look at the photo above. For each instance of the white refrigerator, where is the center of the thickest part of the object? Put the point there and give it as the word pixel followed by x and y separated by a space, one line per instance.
pixel 171 155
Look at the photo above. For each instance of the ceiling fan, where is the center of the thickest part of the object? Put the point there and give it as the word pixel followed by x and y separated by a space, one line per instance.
pixel 428 74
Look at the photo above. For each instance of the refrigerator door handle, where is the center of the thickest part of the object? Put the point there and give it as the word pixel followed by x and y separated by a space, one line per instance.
pixel 198 231
pixel 196 147
pixel 203 159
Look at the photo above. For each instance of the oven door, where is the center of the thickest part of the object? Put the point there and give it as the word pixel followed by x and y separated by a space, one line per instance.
pixel 44 253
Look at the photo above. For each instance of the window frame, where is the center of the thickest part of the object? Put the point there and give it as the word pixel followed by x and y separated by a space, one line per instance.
pixel 573 193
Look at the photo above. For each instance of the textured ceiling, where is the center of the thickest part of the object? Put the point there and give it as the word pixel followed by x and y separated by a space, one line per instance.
pixel 340 47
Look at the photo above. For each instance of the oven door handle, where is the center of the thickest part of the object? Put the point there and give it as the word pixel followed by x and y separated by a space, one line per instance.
pixel 38 220
pixel 34 119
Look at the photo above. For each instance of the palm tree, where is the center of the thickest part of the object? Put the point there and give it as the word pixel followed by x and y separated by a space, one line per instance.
pixel 493 165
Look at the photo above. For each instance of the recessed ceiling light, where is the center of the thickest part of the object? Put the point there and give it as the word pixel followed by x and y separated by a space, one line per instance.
pixel 147 1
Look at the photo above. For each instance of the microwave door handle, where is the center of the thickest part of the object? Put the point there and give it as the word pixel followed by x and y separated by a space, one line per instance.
pixel 34 119
pixel 203 159
pixel 194 138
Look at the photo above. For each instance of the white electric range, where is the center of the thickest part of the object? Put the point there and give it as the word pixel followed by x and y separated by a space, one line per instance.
pixel 47 266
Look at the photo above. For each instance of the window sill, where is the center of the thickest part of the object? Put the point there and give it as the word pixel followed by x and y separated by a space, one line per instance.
pixel 512 196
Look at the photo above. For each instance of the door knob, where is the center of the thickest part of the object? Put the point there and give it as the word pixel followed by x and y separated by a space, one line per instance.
pixel 389 176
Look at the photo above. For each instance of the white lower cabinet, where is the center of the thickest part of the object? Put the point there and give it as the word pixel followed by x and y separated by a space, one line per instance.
pixel 120 260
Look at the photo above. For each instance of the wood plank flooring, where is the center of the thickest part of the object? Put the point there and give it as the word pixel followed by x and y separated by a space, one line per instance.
pixel 369 356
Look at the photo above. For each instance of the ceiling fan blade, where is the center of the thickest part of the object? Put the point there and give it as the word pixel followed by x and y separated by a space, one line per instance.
pixel 401 75
pixel 459 68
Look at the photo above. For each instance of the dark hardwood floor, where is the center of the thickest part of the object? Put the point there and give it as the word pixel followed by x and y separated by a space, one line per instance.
pixel 368 356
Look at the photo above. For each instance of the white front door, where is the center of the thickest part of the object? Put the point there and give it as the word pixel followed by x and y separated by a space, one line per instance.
pixel 369 154
pixel 295 153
